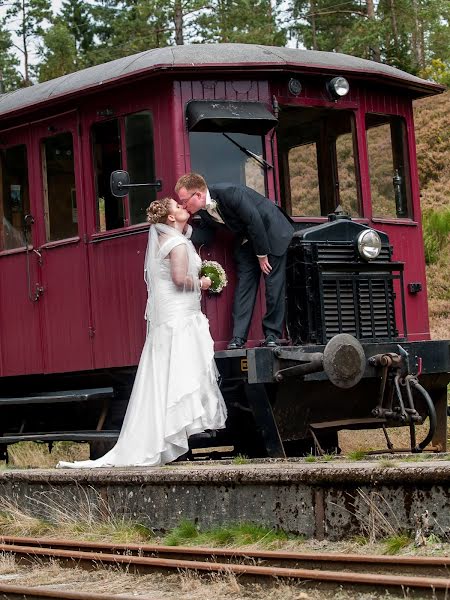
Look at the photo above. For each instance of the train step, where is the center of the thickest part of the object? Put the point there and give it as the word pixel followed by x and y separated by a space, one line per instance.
pixel 58 436
pixel 60 396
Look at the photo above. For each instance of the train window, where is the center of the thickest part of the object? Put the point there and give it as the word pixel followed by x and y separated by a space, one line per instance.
pixel 15 200
pixel 230 157
pixel 140 163
pixel 61 217
pixel 107 158
pixel 304 180
pixel 318 162
pixel 388 165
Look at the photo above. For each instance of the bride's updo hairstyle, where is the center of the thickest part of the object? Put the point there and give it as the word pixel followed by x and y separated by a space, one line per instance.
pixel 158 211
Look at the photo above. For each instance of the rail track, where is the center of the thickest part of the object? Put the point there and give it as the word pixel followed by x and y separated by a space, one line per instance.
pixel 424 575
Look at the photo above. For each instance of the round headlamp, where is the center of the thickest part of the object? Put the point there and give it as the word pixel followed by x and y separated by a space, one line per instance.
pixel 338 87
pixel 369 244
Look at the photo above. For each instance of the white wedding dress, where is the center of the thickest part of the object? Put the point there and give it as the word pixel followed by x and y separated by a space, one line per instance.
pixel 175 392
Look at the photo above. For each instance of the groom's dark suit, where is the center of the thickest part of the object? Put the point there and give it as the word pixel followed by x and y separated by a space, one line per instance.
pixel 254 218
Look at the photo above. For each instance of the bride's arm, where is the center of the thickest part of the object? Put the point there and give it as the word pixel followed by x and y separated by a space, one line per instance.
pixel 179 262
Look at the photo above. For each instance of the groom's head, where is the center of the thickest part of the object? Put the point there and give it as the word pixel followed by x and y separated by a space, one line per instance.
pixel 191 189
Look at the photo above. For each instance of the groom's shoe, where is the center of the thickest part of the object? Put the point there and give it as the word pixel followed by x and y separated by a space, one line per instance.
pixel 270 341
pixel 236 343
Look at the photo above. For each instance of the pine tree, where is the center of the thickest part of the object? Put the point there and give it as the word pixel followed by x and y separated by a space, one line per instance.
pixel 26 18
pixel 76 15
pixel 59 52
pixel 9 73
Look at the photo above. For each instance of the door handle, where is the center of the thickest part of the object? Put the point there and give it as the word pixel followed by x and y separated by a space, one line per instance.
pixel 38 292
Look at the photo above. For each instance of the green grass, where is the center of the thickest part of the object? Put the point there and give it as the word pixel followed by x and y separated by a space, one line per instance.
pixel 356 455
pixel 242 534
pixel 310 458
pixel 240 459
pixel 436 230
pixel 396 543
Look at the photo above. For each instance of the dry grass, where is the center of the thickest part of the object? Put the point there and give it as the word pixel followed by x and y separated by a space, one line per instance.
pixel 87 517
pixel 31 455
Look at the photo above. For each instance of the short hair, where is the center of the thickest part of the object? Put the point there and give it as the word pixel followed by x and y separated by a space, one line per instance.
pixel 191 181
pixel 158 211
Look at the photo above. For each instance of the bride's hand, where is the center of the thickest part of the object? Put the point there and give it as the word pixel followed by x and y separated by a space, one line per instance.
pixel 205 283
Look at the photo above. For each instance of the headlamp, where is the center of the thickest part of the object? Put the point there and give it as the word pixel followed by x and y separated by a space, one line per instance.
pixel 338 87
pixel 369 244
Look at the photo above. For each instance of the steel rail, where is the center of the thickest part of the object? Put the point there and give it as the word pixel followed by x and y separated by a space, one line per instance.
pixel 19 592
pixel 145 564
pixel 268 557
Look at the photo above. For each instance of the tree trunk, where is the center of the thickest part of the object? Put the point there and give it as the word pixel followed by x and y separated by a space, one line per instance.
pixel 418 38
pixel 313 25
pixel 394 22
pixel 374 50
pixel 25 49
pixel 178 20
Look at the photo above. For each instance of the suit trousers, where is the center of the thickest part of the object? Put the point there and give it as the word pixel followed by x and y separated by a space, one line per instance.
pixel 248 278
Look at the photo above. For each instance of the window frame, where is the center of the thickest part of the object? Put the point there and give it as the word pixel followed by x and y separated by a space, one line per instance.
pixel 326 161
pixel 19 141
pixel 409 218
pixel 120 117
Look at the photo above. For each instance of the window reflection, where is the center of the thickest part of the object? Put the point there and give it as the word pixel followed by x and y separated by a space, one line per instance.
pixel 15 201
pixel 219 160
pixel 107 158
pixel 61 213
pixel 140 163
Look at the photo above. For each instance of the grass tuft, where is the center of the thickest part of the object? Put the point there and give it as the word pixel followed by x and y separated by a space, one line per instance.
pixel 396 543
pixel 240 459
pixel 356 455
pixel 310 458
pixel 242 534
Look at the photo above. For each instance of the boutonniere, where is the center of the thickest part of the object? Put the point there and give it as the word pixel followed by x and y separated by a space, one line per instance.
pixel 212 205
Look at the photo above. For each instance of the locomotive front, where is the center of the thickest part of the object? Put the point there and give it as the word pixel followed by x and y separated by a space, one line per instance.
pixel 351 365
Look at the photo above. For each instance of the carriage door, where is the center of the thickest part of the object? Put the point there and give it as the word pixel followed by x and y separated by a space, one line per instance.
pixel 20 343
pixel 59 220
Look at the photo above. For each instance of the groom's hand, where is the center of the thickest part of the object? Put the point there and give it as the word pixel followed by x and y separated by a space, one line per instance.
pixel 264 264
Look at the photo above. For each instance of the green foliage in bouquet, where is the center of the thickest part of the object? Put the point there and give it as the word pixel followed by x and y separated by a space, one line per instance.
pixel 215 271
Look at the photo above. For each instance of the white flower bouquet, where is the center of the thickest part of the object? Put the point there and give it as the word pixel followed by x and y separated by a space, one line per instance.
pixel 215 271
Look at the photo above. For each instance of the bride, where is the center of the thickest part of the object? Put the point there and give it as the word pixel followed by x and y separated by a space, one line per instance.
pixel 175 393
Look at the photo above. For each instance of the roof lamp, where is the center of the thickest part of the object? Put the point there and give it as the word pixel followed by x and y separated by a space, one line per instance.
pixel 338 87
pixel 369 244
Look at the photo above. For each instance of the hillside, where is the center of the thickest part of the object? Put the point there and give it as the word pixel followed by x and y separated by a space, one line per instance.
pixel 432 120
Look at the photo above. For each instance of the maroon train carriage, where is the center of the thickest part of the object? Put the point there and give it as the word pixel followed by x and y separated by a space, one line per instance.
pixel 329 137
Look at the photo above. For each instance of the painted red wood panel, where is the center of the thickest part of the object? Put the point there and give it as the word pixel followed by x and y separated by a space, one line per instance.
pixel 118 299
pixel 116 258
pixel 20 330
pixel 20 317
pixel 64 303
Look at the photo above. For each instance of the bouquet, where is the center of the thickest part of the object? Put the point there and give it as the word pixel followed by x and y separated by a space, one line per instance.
pixel 212 269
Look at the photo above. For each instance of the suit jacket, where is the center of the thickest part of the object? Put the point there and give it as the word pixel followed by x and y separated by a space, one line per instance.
pixel 250 216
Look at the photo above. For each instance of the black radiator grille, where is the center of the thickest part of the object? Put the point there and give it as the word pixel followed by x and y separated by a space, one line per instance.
pixel 347 252
pixel 361 305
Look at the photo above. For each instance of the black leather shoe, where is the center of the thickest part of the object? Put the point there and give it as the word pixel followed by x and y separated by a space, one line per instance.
pixel 270 341
pixel 236 343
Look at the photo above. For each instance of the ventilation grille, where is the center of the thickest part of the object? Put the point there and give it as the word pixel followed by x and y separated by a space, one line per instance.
pixel 362 306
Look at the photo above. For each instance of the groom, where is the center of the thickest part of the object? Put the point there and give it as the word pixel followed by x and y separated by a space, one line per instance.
pixel 263 234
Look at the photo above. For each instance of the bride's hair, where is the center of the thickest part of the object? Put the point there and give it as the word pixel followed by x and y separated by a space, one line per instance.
pixel 158 211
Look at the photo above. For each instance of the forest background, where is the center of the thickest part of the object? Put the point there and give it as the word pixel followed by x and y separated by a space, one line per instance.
pixel 39 42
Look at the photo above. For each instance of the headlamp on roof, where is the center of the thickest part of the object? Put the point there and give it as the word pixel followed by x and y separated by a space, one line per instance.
pixel 338 87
